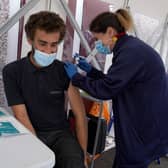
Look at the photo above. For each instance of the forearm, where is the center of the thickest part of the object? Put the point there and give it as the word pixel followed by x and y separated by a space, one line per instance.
pixel 81 133
pixel 21 115
pixel 26 122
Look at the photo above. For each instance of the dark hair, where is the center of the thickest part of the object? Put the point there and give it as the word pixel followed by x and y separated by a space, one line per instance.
pixel 121 21
pixel 47 21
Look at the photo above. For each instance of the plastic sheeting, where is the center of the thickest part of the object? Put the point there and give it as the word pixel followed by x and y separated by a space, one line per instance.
pixel 4 11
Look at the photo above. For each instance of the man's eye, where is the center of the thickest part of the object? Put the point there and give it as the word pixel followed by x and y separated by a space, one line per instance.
pixel 42 44
pixel 54 45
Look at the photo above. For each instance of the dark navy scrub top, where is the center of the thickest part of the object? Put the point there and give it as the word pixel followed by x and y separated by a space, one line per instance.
pixel 136 82
pixel 40 89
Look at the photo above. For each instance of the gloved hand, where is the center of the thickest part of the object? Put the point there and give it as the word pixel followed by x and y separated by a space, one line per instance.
pixel 70 68
pixel 84 65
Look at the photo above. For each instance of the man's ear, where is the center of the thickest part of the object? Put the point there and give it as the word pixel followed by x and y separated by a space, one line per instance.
pixel 29 41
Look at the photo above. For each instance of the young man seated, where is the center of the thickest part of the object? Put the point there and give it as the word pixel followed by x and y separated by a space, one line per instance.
pixel 35 88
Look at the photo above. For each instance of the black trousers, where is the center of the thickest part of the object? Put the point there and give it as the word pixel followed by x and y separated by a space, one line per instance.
pixel 65 146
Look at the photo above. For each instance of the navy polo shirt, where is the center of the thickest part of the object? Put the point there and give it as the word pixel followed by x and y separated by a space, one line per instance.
pixel 136 82
pixel 40 89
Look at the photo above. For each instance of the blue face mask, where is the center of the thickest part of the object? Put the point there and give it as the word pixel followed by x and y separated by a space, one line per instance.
pixel 101 48
pixel 44 59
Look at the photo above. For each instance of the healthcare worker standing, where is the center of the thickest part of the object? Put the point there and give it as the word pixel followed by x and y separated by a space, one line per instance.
pixel 136 82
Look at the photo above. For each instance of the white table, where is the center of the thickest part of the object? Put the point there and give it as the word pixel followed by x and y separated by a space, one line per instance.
pixel 25 150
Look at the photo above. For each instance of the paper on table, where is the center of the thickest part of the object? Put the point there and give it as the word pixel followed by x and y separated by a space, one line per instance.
pixel 7 128
pixel 10 127
pixel 1 113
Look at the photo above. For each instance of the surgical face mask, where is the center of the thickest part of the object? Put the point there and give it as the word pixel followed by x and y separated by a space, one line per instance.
pixel 101 48
pixel 44 59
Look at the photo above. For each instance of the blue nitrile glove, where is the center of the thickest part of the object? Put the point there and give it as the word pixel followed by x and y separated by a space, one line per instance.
pixel 70 68
pixel 84 65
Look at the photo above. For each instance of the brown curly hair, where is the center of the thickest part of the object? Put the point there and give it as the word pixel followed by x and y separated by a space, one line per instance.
pixel 47 21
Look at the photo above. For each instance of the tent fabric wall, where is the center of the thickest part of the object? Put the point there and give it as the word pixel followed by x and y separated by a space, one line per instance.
pixel 4 13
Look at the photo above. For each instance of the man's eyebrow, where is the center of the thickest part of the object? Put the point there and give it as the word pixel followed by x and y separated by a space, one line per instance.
pixel 42 41
pixel 55 42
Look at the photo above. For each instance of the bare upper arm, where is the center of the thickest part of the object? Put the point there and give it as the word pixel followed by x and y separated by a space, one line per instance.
pixel 19 110
pixel 75 100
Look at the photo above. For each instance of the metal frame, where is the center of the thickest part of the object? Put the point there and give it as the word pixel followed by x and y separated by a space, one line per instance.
pixel 163 42
pixel 15 18
pixel 97 133
pixel 48 4
pixel 20 32
pixel 163 37
pixel 126 2
pixel 75 25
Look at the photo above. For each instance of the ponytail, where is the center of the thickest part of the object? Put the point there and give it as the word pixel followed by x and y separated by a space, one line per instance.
pixel 121 21
pixel 125 19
